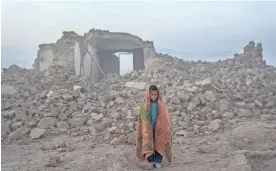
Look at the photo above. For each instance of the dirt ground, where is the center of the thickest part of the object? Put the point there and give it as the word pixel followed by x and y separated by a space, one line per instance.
pixel 248 146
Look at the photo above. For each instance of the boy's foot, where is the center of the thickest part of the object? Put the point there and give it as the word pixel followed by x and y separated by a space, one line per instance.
pixel 153 164
pixel 145 165
pixel 158 165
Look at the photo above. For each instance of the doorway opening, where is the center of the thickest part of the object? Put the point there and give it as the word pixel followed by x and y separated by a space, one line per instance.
pixel 125 61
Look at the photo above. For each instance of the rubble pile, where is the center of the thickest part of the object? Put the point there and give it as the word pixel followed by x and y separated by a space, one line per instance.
pixel 202 98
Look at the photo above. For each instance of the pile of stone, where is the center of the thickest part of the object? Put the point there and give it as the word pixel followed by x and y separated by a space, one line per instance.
pixel 202 98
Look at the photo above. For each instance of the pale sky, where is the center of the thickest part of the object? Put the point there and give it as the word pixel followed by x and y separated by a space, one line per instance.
pixel 194 27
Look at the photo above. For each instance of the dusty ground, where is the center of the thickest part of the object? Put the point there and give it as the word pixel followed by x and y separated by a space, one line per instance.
pixel 247 146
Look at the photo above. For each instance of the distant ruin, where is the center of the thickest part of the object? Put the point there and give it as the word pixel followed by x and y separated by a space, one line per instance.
pixel 93 54
pixel 81 55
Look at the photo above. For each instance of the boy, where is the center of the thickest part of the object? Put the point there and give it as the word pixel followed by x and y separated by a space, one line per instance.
pixel 154 140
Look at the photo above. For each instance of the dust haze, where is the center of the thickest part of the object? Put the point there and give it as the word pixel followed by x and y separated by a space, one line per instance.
pixel 76 106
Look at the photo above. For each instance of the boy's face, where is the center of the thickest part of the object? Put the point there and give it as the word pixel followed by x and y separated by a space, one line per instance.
pixel 153 95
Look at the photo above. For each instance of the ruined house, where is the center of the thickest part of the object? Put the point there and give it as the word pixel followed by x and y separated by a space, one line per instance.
pixel 92 55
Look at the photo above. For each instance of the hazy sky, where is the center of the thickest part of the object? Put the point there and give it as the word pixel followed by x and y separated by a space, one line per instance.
pixel 197 27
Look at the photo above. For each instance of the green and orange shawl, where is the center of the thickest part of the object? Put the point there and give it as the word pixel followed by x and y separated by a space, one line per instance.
pixel 162 142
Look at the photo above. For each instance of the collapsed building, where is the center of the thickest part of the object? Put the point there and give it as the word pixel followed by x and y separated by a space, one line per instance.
pixel 228 105
pixel 92 55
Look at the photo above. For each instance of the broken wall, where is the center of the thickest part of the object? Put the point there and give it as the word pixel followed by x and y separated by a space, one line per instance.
pixel 89 65
pixel 119 42
pixel 69 53
pixel 109 62
pixel 138 59
pixel 252 55
pixel 46 55
pixel 62 55
pixel 46 58
pixel 94 70
pixel 253 52
pixel 77 59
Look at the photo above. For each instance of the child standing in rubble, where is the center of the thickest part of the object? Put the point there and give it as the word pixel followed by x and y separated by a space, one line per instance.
pixel 154 140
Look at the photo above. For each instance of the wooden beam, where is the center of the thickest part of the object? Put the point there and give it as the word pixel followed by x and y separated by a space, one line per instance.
pixel 87 50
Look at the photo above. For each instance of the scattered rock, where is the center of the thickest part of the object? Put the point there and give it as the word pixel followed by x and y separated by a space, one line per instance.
pixel 6 128
pixel 62 125
pixel 205 84
pixel 131 138
pixel 8 89
pixel 228 116
pixel 214 125
pixel 47 146
pixel 53 161
pixel 48 122
pixel 209 95
pixel 244 113
pixel 137 85
pixel 202 97
pixel 182 133
pixel 115 141
pixel 67 96
pixel 119 100
pixel 77 122
pixel 14 135
pixel 16 125
pixel 97 117
pixel 21 115
pixel 37 133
